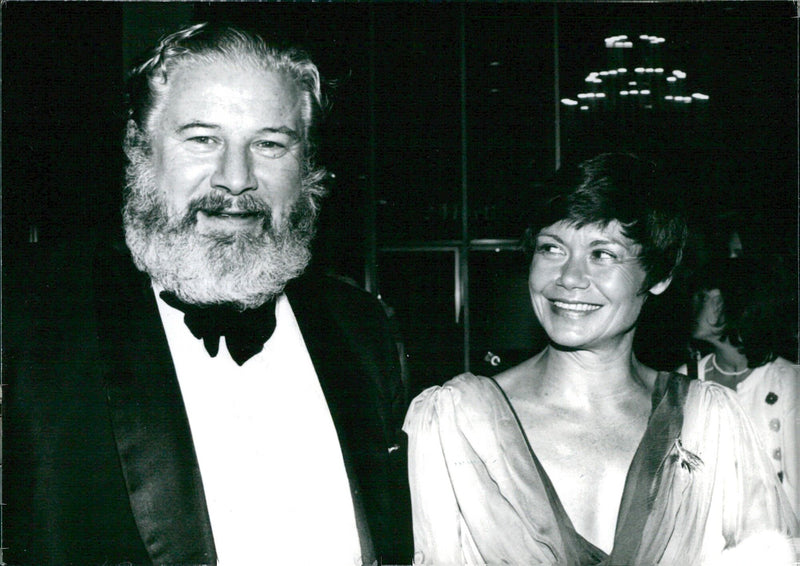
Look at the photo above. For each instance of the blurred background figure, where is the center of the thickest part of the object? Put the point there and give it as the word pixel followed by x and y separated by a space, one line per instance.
pixel 740 233
pixel 743 324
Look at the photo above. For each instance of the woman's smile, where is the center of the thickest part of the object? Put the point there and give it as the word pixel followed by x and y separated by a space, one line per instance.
pixel 586 284
pixel 573 309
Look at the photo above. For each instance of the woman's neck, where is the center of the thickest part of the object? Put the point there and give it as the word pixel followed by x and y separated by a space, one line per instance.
pixel 586 376
pixel 727 365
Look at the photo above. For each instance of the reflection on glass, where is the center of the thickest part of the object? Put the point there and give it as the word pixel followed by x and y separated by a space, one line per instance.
pixel 501 316
pixel 509 112
pixel 420 288
pixel 417 122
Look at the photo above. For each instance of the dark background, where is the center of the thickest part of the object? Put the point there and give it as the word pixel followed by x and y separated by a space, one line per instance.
pixel 442 123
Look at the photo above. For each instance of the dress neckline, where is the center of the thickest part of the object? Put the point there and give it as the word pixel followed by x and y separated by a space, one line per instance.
pixel 662 429
pixel 568 530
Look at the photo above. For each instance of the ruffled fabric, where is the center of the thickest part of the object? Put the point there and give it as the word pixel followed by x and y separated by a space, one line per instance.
pixel 699 483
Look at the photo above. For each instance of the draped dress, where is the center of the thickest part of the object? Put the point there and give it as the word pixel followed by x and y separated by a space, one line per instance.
pixel 698 486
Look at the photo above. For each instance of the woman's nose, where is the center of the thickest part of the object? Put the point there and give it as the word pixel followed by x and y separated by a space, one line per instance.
pixel 234 172
pixel 573 274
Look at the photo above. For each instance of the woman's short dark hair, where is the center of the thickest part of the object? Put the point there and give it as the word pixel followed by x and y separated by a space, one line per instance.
pixel 625 188
pixel 757 304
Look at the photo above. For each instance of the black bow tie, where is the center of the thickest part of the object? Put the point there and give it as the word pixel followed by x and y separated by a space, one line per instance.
pixel 245 331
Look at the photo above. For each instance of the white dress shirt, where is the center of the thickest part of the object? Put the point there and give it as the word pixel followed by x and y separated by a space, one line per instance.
pixel 272 467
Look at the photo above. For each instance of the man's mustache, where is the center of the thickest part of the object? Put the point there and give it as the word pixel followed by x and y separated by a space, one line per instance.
pixel 216 203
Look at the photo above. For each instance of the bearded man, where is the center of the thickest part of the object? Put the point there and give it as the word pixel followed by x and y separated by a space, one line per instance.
pixel 200 399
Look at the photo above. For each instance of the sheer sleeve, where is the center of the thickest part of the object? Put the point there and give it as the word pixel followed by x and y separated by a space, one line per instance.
pixel 717 489
pixel 435 510
pixel 475 494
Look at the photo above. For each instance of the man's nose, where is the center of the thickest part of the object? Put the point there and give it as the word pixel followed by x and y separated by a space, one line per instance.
pixel 573 274
pixel 234 172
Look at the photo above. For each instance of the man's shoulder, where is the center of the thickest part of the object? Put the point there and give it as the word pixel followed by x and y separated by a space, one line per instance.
pixel 56 287
pixel 337 294
pixel 46 282
pixel 327 307
pixel 315 279
pixel 67 264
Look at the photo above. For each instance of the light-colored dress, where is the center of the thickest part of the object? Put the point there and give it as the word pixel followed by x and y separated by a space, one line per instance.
pixel 770 396
pixel 698 484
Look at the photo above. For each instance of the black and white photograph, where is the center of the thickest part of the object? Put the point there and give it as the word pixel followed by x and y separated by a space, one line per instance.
pixel 393 283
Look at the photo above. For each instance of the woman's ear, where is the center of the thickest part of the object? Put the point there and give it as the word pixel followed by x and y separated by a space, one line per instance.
pixel 660 287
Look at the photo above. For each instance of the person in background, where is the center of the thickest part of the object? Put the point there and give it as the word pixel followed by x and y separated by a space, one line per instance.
pixel 742 315
pixel 192 395
pixel 739 234
pixel 582 454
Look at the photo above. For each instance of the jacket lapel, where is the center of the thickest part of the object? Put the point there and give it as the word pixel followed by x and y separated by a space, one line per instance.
pixel 347 383
pixel 149 420
pixel 357 362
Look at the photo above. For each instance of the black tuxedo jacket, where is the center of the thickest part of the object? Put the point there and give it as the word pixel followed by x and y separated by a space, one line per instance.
pixel 99 465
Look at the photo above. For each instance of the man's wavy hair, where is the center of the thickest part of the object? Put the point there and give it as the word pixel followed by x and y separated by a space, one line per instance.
pixel 621 187
pixel 203 43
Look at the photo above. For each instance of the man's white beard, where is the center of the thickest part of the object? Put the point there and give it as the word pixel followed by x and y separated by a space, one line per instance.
pixel 244 269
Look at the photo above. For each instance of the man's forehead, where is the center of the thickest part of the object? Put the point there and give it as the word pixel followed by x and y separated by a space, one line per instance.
pixel 220 90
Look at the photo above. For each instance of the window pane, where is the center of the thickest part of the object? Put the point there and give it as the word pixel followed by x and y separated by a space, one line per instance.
pixel 502 322
pixel 420 288
pixel 417 115
pixel 510 111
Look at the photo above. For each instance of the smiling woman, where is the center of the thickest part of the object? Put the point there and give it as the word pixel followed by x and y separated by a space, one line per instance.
pixel 585 281
pixel 583 454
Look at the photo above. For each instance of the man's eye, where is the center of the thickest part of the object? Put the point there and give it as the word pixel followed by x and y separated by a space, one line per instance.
pixel 271 148
pixel 270 144
pixel 202 140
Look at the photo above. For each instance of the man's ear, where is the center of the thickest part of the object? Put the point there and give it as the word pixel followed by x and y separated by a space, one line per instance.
pixel 135 139
pixel 133 134
pixel 660 287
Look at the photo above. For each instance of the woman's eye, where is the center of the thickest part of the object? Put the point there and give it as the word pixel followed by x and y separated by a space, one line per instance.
pixel 604 255
pixel 549 249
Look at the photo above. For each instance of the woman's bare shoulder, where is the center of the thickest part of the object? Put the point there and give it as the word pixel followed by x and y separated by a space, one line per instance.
pixel 521 375
pixel 465 384
pixel 463 401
